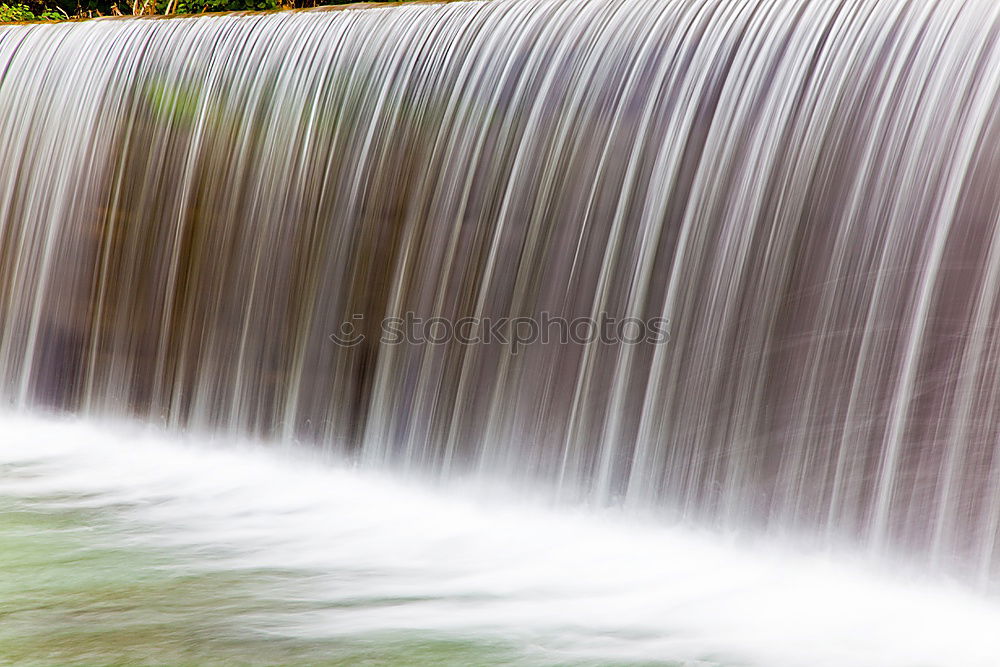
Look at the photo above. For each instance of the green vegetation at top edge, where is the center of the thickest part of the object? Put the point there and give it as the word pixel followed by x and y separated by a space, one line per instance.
pixel 61 10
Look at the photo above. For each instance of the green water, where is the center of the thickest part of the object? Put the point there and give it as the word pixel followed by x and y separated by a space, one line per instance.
pixel 74 591
pixel 77 589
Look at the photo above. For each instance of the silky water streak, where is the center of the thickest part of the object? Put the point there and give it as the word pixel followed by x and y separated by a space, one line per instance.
pixel 807 190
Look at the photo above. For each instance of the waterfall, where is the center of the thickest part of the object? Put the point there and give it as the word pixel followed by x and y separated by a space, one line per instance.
pixel 803 194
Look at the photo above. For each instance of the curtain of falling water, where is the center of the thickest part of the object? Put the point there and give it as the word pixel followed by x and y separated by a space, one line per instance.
pixel 807 189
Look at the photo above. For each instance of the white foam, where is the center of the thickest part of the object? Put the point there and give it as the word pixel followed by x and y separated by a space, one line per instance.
pixel 562 583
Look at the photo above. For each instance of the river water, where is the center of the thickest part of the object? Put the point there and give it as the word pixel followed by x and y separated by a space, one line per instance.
pixel 122 544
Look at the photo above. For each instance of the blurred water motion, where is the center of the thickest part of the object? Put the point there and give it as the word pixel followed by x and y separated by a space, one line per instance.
pixel 122 545
pixel 807 191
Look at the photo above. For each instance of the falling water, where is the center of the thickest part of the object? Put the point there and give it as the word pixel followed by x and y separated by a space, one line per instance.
pixel 194 212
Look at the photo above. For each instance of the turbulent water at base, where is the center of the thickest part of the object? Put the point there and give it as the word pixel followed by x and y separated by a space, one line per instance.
pixel 166 551
pixel 807 190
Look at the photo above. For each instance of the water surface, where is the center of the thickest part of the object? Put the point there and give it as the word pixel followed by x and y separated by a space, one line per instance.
pixel 121 544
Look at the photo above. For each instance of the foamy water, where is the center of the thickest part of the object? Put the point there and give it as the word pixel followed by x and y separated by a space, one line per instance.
pixel 363 554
